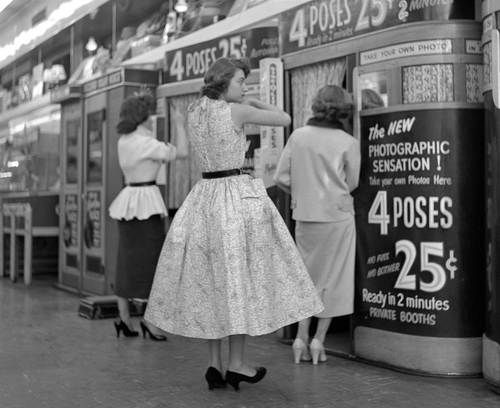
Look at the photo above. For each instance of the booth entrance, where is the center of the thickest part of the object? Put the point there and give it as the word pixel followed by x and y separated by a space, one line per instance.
pixel 418 235
pixel 69 239
pixel 93 178
pixel 302 83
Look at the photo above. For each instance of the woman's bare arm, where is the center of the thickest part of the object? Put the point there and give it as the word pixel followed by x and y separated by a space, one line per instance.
pixel 258 113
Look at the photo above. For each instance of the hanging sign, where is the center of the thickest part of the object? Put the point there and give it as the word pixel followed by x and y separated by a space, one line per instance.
pixel 271 137
pixel 326 21
pixel 194 61
pixel 411 49
pixel 419 214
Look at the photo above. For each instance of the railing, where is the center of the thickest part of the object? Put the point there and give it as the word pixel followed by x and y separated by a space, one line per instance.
pixel 17 222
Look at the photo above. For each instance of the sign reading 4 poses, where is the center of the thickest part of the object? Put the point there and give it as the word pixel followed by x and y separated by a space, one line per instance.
pixel 419 211
pixel 324 21
pixel 194 61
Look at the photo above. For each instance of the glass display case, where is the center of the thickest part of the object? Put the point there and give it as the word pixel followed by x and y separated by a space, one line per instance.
pixel 29 159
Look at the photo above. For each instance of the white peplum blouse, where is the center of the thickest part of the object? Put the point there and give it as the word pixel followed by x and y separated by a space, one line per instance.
pixel 140 156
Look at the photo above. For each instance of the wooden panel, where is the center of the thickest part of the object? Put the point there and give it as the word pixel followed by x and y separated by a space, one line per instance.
pixel 491 361
pixel 431 355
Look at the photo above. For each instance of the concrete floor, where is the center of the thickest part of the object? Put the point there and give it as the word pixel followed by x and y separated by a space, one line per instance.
pixel 50 357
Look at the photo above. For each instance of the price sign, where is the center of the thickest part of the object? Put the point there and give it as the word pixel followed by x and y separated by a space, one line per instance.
pixel 194 61
pixel 418 212
pixel 325 21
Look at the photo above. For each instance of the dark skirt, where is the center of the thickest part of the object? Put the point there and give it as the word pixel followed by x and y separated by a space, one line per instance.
pixel 139 246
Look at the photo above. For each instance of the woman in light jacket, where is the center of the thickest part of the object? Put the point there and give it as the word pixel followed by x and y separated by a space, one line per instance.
pixel 320 167
pixel 139 209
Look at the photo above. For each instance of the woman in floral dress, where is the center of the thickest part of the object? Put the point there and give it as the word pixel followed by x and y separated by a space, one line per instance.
pixel 229 266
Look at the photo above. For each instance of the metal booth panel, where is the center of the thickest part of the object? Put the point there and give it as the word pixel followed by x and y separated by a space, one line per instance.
pixel 70 202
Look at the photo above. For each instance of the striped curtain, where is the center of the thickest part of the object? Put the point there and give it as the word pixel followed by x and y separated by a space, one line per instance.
pixel 182 172
pixel 306 81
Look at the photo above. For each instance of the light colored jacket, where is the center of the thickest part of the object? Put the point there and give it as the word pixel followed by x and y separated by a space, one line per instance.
pixel 319 167
pixel 140 156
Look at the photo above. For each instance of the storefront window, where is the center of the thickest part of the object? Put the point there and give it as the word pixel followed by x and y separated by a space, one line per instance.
pixel 373 86
pixel 428 83
pixel 94 147
pixel 30 156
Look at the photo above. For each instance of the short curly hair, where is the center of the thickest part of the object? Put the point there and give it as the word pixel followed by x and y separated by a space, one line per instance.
pixel 134 111
pixel 219 75
pixel 332 104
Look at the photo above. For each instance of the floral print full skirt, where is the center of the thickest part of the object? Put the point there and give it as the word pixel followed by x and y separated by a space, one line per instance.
pixel 229 266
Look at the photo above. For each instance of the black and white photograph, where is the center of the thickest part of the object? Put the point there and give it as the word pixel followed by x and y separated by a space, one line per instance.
pixel 249 203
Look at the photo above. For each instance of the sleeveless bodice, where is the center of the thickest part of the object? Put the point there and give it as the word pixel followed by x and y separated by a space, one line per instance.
pixel 216 142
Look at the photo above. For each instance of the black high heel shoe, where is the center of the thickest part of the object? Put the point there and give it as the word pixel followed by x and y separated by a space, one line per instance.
pixel 126 331
pixel 214 378
pixel 234 378
pixel 155 337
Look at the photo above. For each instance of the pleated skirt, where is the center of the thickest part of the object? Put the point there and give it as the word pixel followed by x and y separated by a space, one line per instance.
pixel 140 243
pixel 328 250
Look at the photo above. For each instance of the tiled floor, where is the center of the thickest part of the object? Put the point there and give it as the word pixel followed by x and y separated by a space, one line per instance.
pixel 50 357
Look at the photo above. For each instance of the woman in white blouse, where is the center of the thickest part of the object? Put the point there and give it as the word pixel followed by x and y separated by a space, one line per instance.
pixel 139 209
pixel 320 167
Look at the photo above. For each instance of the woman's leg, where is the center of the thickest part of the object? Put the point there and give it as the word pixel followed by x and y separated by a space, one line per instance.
pixel 214 351
pixel 303 331
pixel 124 311
pixel 299 346
pixel 237 355
pixel 323 325
pixel 317 348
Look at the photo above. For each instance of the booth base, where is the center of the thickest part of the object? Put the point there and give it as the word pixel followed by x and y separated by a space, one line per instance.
pixel 491 363
pixel 104 307
pixel 434 356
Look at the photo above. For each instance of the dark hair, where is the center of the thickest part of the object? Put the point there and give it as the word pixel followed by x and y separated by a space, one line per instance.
pixel 219 76
pixel 332 104
pixel 371 99
pixel 135 110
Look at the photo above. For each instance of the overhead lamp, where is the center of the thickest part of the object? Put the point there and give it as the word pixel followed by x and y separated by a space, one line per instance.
pixel 181 6
pixel 63 11
pixel 91 45
pixel 4 4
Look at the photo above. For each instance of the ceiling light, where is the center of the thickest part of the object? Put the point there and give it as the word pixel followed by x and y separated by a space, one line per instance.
pixel 26 37
pixel 91 45
pixel 4 4
pixel 181 6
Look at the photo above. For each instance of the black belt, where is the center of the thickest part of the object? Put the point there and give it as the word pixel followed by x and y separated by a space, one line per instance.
pixel 142 183
pixel 222 173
